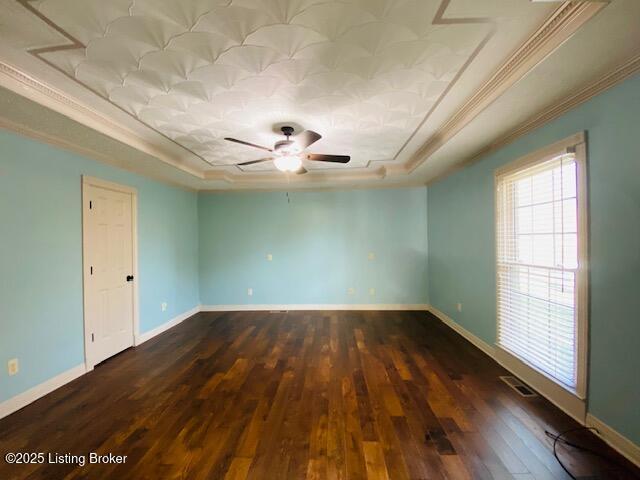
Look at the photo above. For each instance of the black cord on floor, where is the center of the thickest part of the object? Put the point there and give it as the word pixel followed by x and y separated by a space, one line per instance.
pixel 558 438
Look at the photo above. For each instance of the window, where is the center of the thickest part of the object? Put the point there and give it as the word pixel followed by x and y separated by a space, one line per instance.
pixel 541 280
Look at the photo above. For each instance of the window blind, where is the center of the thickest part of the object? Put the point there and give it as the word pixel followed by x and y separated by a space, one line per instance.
pixel 537 266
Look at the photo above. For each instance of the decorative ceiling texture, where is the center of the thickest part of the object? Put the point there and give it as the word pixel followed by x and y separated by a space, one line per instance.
pixel 364 74
pixel 378 79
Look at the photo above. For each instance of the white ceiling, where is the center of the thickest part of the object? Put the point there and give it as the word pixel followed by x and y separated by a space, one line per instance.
pixel 376 78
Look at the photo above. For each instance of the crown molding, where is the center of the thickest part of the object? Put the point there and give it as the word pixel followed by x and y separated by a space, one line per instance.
pixel 27 86
pixel 229 173
pixel 23 84
pixel 83 151
pixel 558 28
pixel 343 187
pixel 270 177
pixel 610 79
pixel 551 112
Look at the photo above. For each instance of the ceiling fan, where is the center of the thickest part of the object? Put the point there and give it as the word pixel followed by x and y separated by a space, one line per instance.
pixel 288 154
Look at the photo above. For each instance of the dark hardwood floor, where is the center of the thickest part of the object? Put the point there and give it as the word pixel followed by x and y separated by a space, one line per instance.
pixel 336 395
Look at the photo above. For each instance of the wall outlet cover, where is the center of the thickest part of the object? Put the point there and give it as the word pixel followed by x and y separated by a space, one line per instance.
pixel 269 257
pixel 250 291
pixel 459 307
pixel 351 291
pixel 372 292
pixel 163 306
pixel 371 256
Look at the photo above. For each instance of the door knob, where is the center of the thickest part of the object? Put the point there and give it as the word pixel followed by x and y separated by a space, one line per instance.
pixel 129 278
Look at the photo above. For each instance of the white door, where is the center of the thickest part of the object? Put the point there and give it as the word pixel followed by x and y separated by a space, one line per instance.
pixel 108 263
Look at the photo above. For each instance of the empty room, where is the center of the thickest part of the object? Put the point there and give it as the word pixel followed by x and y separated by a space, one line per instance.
pixel 317 239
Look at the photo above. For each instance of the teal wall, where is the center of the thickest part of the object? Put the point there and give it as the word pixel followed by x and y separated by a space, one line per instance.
pixel 320 243
pixel 462 246
pixel 41 256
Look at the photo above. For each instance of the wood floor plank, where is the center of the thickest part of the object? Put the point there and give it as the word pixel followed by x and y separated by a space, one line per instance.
pixel 374 458
pixel 238 469
pixel 315 395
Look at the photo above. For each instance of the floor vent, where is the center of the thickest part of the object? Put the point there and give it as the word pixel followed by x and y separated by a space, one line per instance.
pixel 278 311
pixel 518 386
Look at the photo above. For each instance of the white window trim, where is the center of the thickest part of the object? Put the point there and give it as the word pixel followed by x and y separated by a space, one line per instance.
pixel 571 401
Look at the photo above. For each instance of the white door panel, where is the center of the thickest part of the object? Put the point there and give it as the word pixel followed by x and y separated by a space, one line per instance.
pixel 109 259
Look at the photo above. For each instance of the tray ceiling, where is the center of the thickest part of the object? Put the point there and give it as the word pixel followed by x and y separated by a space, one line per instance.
pixel 376 78
pixel 363 74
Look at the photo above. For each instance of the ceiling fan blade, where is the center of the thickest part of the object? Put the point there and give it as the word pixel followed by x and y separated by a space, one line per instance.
pixel 301 171
pixel 251 162
pixel 242 142
pixel 306 138
pixel 318 157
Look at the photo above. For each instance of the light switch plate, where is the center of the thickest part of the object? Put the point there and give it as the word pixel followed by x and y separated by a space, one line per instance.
pixel 13 366
pixel 269 257
pixel 371 256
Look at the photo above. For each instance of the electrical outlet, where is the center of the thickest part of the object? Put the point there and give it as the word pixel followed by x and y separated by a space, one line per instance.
pixel 372 292
pixel 269 257
pixel 163 306
pixel 371 256
pixel 12 366
pixel 250 291
pixel 351 291
pixel 459 307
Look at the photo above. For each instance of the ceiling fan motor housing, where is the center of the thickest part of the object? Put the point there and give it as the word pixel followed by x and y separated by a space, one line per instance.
pixel 287 131
pixel 287 147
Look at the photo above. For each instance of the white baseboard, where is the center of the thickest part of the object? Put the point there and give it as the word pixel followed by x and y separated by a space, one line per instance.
pixel 477 341
pixel 561 398
pixel 143 337
pixel 616 440
pixel 312 306
pixel 23 399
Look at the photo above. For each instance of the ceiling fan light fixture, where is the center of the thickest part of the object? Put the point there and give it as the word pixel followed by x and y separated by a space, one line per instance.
pixel 287 154
pixel 290 163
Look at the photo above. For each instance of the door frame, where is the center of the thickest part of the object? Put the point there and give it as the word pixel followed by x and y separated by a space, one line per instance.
pixel 88 181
